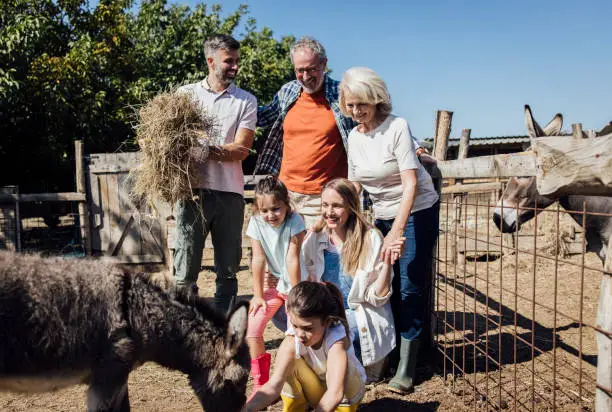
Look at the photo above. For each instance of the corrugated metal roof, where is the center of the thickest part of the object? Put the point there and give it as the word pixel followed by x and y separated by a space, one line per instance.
pixel 481 141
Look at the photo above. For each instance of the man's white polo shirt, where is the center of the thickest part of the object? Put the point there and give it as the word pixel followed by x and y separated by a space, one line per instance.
pixel 233 109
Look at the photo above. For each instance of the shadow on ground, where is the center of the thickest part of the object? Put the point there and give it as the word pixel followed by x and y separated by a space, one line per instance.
pixel 388 404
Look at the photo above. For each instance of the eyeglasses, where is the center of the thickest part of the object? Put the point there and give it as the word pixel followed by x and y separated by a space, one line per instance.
pixel 310 70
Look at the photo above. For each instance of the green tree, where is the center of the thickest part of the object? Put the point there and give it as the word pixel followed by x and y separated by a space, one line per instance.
pixel 69 71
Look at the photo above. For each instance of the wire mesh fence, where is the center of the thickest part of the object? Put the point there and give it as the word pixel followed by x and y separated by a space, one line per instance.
pixel 515 314
pixel 49 228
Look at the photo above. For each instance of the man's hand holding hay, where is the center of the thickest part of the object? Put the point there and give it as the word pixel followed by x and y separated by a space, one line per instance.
pixel 174 135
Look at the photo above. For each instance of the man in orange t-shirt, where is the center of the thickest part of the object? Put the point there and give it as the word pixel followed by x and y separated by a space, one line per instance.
pixel 306 146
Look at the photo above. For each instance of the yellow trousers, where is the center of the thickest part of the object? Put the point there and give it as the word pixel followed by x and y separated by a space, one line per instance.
pixel 303 388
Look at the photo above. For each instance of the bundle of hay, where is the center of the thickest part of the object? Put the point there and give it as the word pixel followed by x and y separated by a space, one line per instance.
pixel 171 128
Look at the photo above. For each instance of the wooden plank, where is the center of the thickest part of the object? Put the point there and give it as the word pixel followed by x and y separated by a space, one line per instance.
pixel 105 230
pixel 94 208
pixel 152 230
pixel 562 164
pixel 566 165
pixel 43 197
pixel 132 239
pixel 117 244
pixel 504 165
pixel 151 238
pixel 472 188
pixel 147 231
pixel 113 162
pixel 115 217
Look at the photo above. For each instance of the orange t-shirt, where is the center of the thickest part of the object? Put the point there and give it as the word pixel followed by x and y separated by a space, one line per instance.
pixel 313 152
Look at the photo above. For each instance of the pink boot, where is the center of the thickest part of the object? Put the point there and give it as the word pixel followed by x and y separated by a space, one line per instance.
pixel 260 371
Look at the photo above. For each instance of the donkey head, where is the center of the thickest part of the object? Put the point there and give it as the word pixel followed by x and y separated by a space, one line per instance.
pixel 222 385
pixel 521 194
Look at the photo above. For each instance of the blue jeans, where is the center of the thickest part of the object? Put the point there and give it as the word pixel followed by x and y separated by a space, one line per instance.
pixel 411 287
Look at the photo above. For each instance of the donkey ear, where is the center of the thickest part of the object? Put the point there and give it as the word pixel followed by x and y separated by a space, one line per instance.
pixel 533 128
pixel 606 130
pixel 554 127
pixel 236 329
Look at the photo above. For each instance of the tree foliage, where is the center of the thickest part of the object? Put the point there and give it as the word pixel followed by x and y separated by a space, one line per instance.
pixel 68 71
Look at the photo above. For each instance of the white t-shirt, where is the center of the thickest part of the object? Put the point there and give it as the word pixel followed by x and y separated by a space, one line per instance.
pixel 376 158
pixel 317 358
pixel 275 242
pixel 234 109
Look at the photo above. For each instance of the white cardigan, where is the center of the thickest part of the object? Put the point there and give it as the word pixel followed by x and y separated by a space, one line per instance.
pixel 372 313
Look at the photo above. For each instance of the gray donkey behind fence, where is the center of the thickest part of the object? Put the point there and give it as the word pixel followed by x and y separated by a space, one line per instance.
pixel 64 322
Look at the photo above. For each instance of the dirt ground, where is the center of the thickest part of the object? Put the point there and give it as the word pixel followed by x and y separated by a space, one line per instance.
pixel 496 321
pixel 153 388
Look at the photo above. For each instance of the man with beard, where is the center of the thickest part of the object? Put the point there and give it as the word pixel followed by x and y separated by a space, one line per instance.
pixel 218 204
pixel 306 146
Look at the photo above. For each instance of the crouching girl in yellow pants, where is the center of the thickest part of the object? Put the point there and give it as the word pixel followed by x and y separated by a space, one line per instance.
pixel 316 364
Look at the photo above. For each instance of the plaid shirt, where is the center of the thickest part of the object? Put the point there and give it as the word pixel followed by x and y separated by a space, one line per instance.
pixel 273 114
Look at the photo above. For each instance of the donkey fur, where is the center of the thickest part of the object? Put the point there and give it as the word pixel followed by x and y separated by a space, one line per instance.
pixel 64 322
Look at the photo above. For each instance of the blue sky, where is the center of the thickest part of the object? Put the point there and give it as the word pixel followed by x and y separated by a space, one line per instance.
pixel 483 60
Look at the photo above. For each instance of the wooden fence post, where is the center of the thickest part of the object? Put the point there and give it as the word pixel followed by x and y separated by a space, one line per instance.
pixel 464 143
pixel 458 198
pixel 603 393
pixel 81 188
pixel 577 131
pixel 10 221
pixel 442 132
pixel 441 135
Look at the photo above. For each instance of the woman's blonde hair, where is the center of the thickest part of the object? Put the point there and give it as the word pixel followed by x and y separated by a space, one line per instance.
pixel 356 246
pixel 368 87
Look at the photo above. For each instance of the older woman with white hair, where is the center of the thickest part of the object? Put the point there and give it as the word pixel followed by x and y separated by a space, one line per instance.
pixel 382 159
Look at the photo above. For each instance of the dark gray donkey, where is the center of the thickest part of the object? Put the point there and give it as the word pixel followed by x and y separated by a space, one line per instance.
pixel 64 322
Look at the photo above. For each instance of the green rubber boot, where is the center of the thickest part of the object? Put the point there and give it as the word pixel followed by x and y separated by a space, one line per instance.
pixel 403 381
